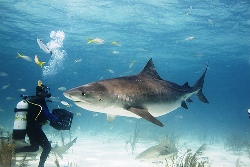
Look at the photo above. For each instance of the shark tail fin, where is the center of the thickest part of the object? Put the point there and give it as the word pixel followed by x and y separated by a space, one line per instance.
pixel 41 64
pixel 201 96
pixel 199 85
pixel 61 150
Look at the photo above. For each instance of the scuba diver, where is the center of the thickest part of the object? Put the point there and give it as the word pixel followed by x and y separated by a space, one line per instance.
pixel 38 114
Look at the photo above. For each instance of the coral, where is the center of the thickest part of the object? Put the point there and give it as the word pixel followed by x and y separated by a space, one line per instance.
pixel 235 143
pixel 173 138
pixel 6 152
pixel 189 160
pixel 133 140
pixel 71 164
pixel 240 163
pixel 56 161
pixel 24 162
pixel 248 149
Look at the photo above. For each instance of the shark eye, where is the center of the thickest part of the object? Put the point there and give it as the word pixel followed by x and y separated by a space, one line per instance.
pixel 83 93
pixel 100 99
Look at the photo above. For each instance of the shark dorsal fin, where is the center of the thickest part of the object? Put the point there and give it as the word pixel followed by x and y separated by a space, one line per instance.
pixel 149 69
pixel 186 85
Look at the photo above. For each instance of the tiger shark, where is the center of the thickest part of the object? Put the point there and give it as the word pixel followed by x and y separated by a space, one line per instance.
pixel 145 95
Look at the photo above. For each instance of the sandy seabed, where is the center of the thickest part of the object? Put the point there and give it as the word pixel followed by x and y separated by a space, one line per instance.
pixel 110 151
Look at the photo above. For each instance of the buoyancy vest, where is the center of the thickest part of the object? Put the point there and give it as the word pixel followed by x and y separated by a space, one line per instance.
pixel 35 115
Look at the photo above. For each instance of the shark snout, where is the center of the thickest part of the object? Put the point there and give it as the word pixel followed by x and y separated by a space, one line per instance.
pixel 71 95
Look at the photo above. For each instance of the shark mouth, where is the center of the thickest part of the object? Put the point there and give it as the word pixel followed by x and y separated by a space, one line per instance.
pixel 82 101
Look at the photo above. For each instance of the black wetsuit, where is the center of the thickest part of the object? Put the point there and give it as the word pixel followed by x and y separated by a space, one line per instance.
pixel 36 117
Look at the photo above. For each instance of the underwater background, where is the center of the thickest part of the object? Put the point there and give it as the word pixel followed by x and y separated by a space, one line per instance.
pixel 180 36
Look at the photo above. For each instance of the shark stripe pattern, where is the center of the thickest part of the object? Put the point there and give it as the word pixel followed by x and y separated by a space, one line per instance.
pixel 145 95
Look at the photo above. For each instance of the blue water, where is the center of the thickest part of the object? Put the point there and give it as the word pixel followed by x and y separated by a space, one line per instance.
pixel 145 29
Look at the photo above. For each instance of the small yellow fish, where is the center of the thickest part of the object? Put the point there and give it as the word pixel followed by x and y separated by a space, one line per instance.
pixel 96 40
pixel 27 58
pixel 38 62
pixel 116 43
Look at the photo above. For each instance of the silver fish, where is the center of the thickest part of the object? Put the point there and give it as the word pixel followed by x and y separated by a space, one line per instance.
pixel 43 46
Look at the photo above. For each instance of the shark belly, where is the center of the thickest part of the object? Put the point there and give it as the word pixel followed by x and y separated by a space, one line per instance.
pixel 111 110
pixel 161 109
pixel 155 109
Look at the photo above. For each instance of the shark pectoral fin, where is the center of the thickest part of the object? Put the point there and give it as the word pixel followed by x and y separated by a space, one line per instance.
pixel 146 115
pixel 184 105
pixel 110 117
pixel 189 100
